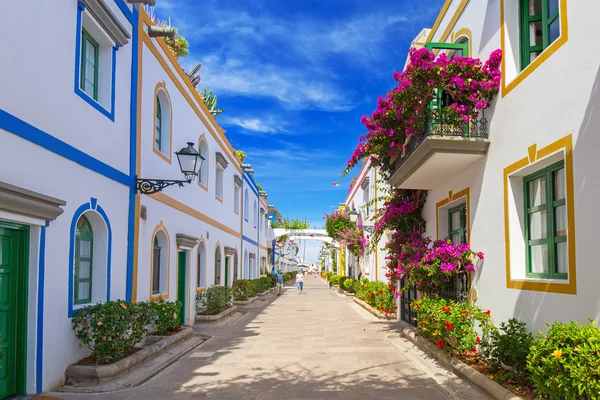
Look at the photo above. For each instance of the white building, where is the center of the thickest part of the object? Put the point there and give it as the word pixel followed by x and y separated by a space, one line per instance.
pixel 362 198
pixel 66 136
pixel 250 226
pixel 189 238
pixel 525 195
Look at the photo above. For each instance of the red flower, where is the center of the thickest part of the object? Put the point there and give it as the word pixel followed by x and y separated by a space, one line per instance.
pixel 449 326
pixel 440 344
pixel 395 307
pixel 446 308
pixel 380 292
pixel 478 339
pixel 464 313
pixel 422 322
pixel 487 312
pixel 381 308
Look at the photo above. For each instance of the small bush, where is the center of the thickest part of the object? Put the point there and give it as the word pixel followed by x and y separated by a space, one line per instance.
pixel 287 277
pixel 253 287
pixel 273 280
pixel 213 300
pixel 508 347
pixel 377 295
pixel 329 275
pixel 350 285
pixel 451 326
pixel 241 289
pixel 335 279
pixel 565 363
pixel 264 284
pixel 111 329
pixel 341 281
pixel 164 316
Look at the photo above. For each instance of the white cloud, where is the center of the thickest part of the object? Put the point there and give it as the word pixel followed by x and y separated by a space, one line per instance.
pixel 257 125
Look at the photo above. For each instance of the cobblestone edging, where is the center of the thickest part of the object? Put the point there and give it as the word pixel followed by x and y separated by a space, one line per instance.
pixel 461 369
pixel 372 310
pixel 81 374
pixel 216 317
pixel 245 302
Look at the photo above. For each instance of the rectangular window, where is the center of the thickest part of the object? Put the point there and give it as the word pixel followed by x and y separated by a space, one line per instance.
pixel 89 65
pixel 546 223
pixel 83 276
pixel 156 270
pixel 236 198
pixel 366 200
pixel 219 182
pixel 540 27
pixel 457 224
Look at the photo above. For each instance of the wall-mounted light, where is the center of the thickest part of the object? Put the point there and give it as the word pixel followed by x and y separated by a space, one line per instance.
pixel 190 162
pixel 353 216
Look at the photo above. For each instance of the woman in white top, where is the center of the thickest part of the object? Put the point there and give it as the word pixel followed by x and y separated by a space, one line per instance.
pixel 299 282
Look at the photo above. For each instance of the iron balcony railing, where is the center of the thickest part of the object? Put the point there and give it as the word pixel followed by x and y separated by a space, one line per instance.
pixel 478 128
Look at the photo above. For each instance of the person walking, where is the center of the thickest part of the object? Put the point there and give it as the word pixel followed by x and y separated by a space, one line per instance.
pixel 300 282
pixel 279 281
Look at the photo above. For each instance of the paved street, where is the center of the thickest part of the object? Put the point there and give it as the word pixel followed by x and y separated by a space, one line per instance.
pixel 318 345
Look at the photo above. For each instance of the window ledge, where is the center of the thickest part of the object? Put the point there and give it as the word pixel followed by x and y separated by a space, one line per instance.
pixel 164 296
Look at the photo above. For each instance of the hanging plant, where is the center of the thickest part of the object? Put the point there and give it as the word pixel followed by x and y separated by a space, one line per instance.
pixel 354 239
pixel 405 111
pixel 337 223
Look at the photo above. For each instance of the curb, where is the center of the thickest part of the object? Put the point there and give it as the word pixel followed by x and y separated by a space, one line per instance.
pixel 372 310
pixel 95 373
pixel 244 302
pixel 216 317
pixel 461 369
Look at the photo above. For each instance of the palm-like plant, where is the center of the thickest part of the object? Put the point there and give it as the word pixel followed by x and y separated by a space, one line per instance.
pixel 194 76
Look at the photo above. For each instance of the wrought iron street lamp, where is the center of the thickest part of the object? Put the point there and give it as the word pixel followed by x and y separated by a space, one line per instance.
pixel 353 216
pixel 190 162
pixel 369 229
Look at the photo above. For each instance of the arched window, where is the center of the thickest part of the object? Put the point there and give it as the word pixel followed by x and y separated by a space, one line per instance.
pixel 162 123
pixel 84 244
pixel 255 215
pixel 246 201
pixel 203 173
pixel 235 266
pixel 160 264
pixel 201 280
pixel 218 266
pixel 156 252
pixel 454 53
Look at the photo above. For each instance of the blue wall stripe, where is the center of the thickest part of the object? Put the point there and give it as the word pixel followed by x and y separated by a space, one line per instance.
pixel 247 239
pixel 251 183
pixel 132 157
pixel 28 132
pixel 39 353
pixel 131 17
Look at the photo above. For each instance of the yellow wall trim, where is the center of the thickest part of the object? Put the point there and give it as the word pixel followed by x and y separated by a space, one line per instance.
pixel 163 198
pixel 263 247
pixel 455 17
pixel 160 227
pixel 557 44
pixel 438 20
pixel 464 32
pixel 216 133
pixel 466 193
pixel 377 247
pixel 564 144
pixel 206 162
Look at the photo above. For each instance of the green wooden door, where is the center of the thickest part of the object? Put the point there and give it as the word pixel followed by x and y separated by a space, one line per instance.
pixel 182 284
pixel 227 271
pixel 13 308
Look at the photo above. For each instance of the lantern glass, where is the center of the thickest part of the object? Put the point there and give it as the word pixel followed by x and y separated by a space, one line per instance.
pixel 190 160
pixel 353 216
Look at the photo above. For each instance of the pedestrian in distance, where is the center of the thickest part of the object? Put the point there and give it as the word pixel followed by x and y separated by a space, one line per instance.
pixel 300 282
pixel 279 281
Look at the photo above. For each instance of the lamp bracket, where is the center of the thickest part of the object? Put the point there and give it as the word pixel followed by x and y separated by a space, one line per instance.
pixel 151 186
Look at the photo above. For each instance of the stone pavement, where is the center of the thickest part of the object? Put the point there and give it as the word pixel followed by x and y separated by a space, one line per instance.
pixel 318 345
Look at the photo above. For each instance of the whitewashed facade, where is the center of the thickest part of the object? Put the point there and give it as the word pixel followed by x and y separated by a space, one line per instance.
pixel 65 178
pixel 526 193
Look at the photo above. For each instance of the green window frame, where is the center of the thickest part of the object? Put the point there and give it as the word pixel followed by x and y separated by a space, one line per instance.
pixel 459 232
pixel 84 247
pixel 546 222
pixel 218 266
pixel 157 250
pixel 89 86
pixel 541 16
pixel 158 133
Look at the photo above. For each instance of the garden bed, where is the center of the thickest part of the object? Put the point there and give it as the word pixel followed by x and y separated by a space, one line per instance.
pixel 215 317
pixel 244 302
pixel 78 374
pixel 461 369
pixel 372 310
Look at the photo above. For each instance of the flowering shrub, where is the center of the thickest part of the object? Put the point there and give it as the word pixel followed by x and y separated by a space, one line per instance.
pixel 404 112
pixel 164 316
pixel 350 285
pixel 111 329
pixel 354 239
pixel 242 289
pixel 564 363
pixel 213 300
pixel 451 326
pixel 337 223
pixel 378 295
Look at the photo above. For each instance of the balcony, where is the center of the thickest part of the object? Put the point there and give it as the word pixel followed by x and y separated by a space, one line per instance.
pixel 440 152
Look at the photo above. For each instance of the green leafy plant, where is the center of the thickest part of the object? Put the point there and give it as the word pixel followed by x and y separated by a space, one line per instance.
pixel 241 289
pixel 253 288
pixel 508 347
pixel 213 300
pixel 264 284
pixel 164 316
pixel 565 362
pixel 378 296
pixel 295 223
pixel 341 281
pixel 111 329
pixel 210 100
pixel 452 326
pixel 337 223
pixel 241 155
pixel 350 285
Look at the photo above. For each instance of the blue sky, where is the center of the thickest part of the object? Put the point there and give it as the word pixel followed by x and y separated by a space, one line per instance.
pixel 295 76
